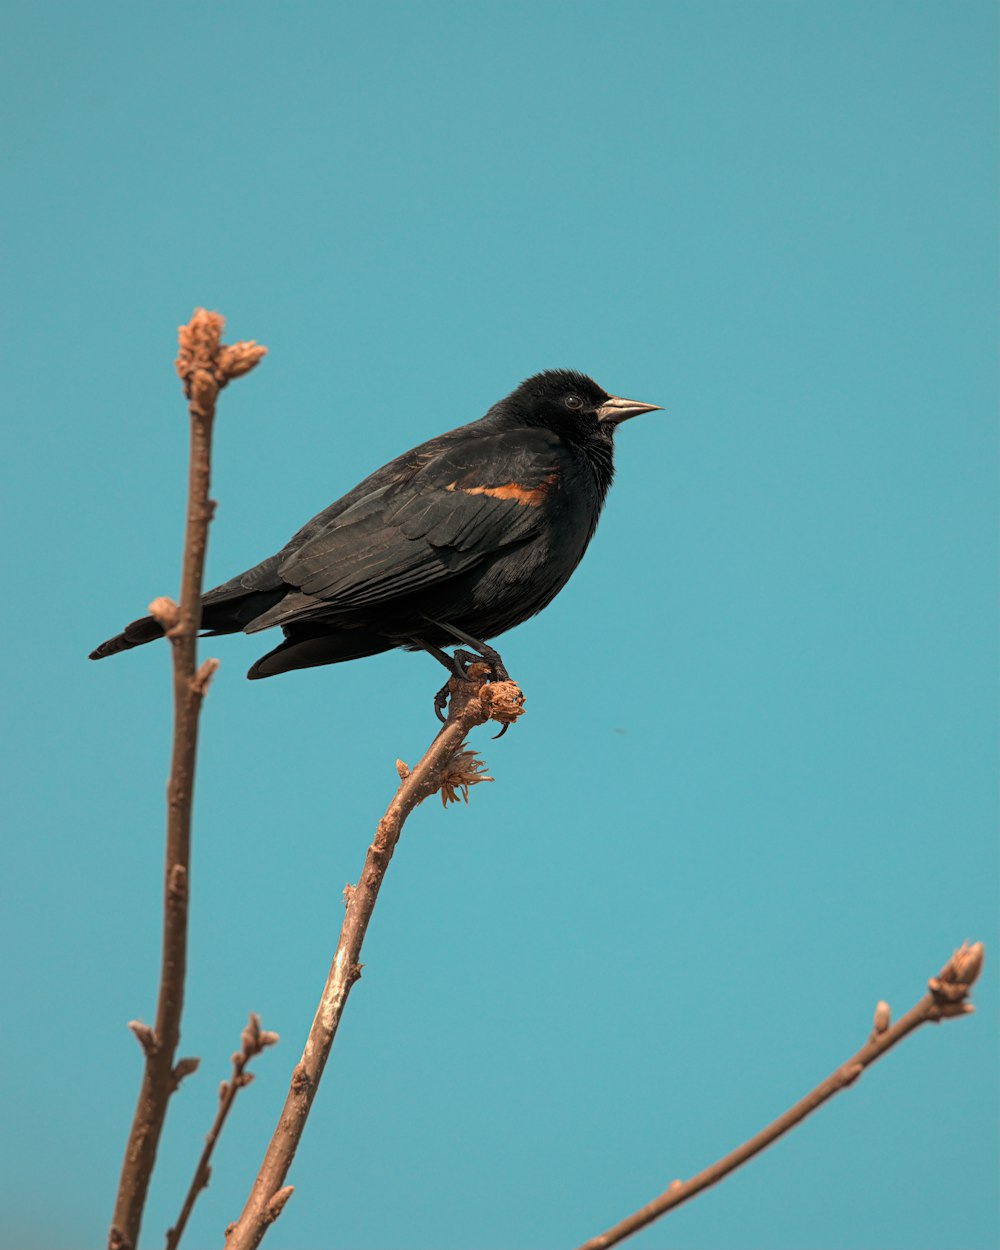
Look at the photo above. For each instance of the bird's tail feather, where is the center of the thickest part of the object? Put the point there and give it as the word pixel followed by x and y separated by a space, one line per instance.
pixel 133 635
pixel 227 616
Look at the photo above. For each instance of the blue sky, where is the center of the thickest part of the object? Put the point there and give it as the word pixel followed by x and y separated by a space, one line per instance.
pixel 755 790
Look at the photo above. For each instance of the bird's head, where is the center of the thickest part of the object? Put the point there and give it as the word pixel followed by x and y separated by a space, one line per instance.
pixel 571 404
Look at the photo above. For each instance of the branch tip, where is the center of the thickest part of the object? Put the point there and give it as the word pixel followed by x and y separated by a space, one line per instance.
pixel 951 986
pixel 965 965
pixel 502 701
pixel 205 364
pixel 254 1039
pixel 201 336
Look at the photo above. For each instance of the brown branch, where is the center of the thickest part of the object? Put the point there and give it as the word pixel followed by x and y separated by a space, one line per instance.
pixel 205 365
pixel 946 997
pixel 253 1040
pixel 444 767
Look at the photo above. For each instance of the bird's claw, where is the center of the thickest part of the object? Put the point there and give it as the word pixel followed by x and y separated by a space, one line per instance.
pixel 498 670
pixel 461 662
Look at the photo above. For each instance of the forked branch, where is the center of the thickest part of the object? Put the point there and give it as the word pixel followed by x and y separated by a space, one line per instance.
pixel 205 366
pixel 946 996
pixel 447 768
pixel 253 1040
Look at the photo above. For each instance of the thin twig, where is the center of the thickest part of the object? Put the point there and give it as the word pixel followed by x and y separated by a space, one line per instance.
pixel 946 997
pixel 205 365
pixel 444 766
pixel 253 1040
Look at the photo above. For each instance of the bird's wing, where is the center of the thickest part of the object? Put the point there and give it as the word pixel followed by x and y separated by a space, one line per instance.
pixel 455 509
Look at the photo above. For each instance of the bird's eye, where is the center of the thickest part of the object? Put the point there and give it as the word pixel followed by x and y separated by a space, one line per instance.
pixel 573 401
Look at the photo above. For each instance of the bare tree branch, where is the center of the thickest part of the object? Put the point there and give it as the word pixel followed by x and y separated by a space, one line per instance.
pixel 205 366
pixel 445 767
pixel 946 997
pixel 253 1040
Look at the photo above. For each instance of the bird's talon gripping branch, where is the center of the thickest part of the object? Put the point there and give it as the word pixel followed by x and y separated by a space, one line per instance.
pixel 465 666
pixel 484 653
pixel 498 670
pixel 501 700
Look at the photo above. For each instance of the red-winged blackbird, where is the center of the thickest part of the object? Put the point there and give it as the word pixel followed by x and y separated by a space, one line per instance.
pixel 458 540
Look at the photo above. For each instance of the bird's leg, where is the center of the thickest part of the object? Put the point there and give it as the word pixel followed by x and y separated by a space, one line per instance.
pixel 468 658
pixel 464 660
pixel 459 664
pixel 455 665
pixel 442 657
pixel 492 657
pixel 498 670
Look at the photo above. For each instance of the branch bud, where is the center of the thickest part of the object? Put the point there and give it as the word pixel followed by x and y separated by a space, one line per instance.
pixel 277 1204
pixel 203 677
pixel 240 358
pixel 165 612
pixel 145 1037
pixel 183 1068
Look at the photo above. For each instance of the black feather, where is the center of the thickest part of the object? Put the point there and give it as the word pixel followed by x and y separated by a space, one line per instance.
pixel 478 528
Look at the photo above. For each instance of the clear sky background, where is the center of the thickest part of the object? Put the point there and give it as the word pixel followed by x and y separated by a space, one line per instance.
pixel 755 788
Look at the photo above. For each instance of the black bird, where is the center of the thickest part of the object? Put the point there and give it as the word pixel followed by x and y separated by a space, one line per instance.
pixel 459 539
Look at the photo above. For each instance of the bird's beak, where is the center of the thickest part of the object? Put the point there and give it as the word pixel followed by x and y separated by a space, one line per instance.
pixel 617 409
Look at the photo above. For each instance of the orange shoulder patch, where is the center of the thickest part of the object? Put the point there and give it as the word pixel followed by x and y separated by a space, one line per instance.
pixel 530 496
